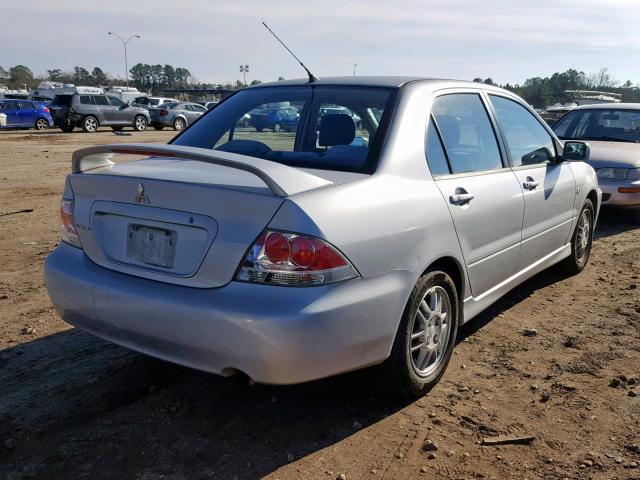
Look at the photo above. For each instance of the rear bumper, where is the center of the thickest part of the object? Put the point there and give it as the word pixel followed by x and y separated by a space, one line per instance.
pixel 164 121
pixel 611 194
pixel 278 335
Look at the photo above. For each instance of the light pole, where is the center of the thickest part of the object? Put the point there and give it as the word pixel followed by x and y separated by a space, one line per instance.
pixel 124 44
pixel 354 69
pixel 244 69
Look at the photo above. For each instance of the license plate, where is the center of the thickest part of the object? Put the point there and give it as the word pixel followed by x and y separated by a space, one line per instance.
pixel 153 246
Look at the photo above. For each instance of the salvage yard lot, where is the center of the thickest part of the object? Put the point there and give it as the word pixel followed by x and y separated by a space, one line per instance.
pixel 558 358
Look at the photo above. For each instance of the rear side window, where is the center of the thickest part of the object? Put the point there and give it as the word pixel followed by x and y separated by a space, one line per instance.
pixel 86 100
pixel 100 100
pixel 528 142
pixel 467 133
pixel 436 158
pixel 62 100
pixel 116 102
pixel 27 106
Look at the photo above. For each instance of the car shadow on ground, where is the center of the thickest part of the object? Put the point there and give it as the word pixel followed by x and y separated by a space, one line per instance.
pixel 76 405
pixel 613 221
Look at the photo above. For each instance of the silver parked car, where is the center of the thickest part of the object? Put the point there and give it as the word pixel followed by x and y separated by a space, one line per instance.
pixel 613 132
pixel 176 115
pixel 295 256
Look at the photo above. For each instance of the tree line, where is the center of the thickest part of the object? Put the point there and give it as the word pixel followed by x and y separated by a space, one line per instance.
pixel 541 92
pixel 538 91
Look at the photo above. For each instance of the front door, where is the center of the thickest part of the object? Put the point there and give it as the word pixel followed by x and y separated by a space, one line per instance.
pixel 483 195
pixel 548 186
pixel 11 110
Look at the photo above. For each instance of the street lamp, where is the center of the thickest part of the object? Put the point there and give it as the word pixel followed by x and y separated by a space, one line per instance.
pixel 354 69
pixel 124 44
pixel 244 69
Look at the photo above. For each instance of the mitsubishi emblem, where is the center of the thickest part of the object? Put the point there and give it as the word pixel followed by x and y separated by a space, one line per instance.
pixel 141 197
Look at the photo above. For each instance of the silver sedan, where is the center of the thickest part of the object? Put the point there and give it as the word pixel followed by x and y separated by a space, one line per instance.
pixel 292 256
pixel 175 115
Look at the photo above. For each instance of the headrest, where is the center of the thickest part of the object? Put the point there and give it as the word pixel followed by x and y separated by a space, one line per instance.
pixel 336 129
pixel 449 129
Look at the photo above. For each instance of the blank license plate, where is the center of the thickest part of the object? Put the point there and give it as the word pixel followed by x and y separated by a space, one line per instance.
pixel 153 246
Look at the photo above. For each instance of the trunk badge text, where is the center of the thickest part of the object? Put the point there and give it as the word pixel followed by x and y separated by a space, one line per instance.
pixel 141 197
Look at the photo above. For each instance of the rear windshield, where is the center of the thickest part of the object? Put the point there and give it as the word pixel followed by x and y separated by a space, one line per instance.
pixel 64 100
pixel 288 125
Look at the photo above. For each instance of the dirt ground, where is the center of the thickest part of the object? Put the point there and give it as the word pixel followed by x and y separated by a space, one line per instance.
pixel 73 406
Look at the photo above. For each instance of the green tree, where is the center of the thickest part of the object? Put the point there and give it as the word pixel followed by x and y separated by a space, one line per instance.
pixel 169 76
pixel 54 75
pixel 82 76
pixel 4 75
pixel 99 77
pixel 19 76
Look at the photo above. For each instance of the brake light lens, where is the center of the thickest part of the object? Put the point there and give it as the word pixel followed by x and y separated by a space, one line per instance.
pixel 68 232
pixel 45 109
pixel 164 112
pixel 289 259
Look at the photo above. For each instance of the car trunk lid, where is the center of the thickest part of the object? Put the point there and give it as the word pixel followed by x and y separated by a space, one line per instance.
pixel 175 220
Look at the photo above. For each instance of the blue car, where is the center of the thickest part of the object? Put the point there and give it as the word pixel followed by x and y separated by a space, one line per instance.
pixel 275 119
pixel 26 114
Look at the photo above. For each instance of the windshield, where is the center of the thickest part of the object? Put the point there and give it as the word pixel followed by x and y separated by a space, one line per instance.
pixel 297 132
pixel 600 124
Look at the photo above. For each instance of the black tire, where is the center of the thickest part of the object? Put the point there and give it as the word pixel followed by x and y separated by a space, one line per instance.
pixel 259 129
pixel 117 129
pixel 179 124
pixel 140 123
pixel 90 124
pixel 581 241
pixel 277 127
pixel 400 368
pixel 158 127
pixel 41 124
pixel 67 128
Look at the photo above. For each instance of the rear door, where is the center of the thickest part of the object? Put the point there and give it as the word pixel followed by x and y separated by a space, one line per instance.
pixel 28 113
pixel 548 187
pixel 482 193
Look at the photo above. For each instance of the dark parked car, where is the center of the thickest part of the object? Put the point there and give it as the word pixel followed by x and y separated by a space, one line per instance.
pixel 275 119
pixel 92 111
pixel 26 114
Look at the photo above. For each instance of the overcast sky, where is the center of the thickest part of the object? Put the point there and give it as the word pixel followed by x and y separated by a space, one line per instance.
pixel 507 40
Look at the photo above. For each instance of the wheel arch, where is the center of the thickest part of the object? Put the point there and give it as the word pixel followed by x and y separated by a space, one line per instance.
pixel 455 270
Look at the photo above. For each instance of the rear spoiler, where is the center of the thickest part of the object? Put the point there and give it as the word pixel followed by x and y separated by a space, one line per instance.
pixel 282 180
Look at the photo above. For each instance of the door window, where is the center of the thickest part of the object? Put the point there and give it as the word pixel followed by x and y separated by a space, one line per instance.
pixel 86 100
pixel 527 141
pixel 116 102
pixel 467 133
pixel 27 106
pixel 100 100
pixel 436 158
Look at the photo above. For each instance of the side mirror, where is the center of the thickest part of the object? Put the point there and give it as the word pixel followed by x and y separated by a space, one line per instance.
pixel 577 151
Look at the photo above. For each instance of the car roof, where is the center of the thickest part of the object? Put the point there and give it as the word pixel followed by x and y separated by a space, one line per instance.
pixel 609 106
pixel 368 81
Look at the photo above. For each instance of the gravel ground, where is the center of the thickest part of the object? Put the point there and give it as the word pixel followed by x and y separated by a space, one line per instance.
pixel 557 359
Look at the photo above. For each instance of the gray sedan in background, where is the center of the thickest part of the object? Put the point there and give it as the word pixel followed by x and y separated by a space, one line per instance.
pixel 295 256
pixel 175 115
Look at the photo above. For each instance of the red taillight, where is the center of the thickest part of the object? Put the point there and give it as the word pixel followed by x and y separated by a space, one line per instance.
pixel 303 252
pixel 164 112
pixel 68 232
pixel 276 248
pixel 291 259
pixel 45 109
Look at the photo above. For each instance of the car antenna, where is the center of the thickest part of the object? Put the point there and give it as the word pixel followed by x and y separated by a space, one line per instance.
pixel 312 77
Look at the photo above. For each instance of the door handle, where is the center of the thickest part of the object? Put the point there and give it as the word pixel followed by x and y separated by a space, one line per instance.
pixel 461 198
pixel 530 184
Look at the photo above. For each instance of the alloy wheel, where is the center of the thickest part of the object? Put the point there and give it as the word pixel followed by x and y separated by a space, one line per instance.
pixel 430 331
pixel 583 236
